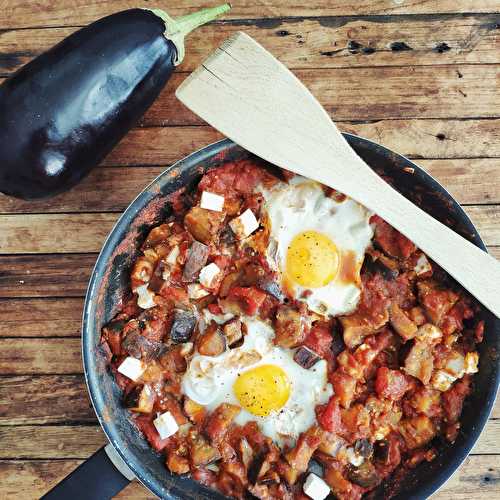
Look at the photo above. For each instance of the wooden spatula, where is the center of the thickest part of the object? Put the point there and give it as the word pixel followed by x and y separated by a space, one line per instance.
pixel 248 95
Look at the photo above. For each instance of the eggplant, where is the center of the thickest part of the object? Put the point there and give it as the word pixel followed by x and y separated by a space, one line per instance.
pixel 63 112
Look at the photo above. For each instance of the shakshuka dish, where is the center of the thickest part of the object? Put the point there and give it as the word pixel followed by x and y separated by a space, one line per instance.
pixel 283 342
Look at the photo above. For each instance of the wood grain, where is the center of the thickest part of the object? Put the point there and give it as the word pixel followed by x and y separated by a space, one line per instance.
pixel 50 441
pixel 33 13
pixel 28 479
pixel 45 275
pixel 50 317
pixel 40 356
pixel 44 399
pixel 317 43
pixel 56 233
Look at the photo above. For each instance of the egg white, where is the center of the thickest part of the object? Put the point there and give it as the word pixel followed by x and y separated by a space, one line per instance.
pixel 209 381
pixel 301 205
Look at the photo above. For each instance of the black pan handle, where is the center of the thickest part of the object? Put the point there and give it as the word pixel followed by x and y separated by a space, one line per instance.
pixel 100 477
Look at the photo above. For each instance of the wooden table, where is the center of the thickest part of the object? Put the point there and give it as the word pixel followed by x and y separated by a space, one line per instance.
pixel 419 76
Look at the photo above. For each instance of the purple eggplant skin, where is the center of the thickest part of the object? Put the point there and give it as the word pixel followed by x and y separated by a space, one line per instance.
pixel 63 112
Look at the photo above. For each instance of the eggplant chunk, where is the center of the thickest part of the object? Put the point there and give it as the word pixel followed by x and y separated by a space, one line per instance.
pixel 305 357
pixel 62 113
pixel 182 326
pixel 365 475
pixel 289 326
pixel 212 342
pixel 204 225
pixel 233 331
pixel 403 325
pixel 196 259
pixel 140 399
pixel 201 452
pixel 142 348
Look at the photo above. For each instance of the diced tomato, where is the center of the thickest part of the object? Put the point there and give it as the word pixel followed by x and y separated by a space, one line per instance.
pixel 329 416
pixel 176 294
pixel 479 332
pixel 392 241
pixel 222 261
pixel 250 298
pixel 214 308
pixel 454 320
pixel 146 426
pixel 391 384
pixel 319 340
pixel 344 386
pixel 453 399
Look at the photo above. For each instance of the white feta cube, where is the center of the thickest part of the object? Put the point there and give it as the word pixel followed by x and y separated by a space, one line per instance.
pixel 166 425
pixel 196 291
pixel 212 201
pixel 422 266
pixel 209 274
pixel 145 297
pixel 244 225
pixel 132 368
pixel 442 380
pixel 471 362
pixel 315 487
pixel 172 256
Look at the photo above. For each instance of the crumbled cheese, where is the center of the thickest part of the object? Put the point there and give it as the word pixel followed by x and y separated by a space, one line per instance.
pixel 429 333
pixel 209 274
pixel 196 291
pixel 353 457
pixel 172 256
pixel 442 380
pixel 212 201
pixel 422 266
pixel 471 362
pixel 145 297
pixel 244 225
pixel 132 368
pixel 315 487
pixel 166 425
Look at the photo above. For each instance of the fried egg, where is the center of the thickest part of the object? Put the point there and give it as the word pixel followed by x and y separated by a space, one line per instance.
pixel 316 245
pixel 264 380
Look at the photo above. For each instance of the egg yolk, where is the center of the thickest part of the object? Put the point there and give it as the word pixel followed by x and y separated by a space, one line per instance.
pixel 312 260
pixel 262 390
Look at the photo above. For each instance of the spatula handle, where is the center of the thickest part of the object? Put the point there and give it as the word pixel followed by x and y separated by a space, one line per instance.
pixel 474 269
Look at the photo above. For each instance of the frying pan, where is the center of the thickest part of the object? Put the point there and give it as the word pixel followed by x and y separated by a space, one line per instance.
pixel 97 478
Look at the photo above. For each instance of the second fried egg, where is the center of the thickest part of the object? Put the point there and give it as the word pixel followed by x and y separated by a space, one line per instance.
pixel 317 244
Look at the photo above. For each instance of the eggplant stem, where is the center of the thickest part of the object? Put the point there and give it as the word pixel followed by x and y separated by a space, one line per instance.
pixel 177 29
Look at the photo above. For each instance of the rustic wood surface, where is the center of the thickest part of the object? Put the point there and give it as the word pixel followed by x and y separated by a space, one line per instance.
pixel 420 76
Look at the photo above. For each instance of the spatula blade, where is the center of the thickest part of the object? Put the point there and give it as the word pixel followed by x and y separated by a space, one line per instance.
pixel 251 89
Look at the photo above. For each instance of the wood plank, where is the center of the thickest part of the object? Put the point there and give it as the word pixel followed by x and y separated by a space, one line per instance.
pixel 464 178
pixel 45 275
pixel 48 233
pixel 374 93
pixel 33 13
pixel 50 441
pixel 54 233
pixel 44 399
pixel 40 356
pixel 80 441
pixel 487 221
pixel 471 181
pixel 27 479
pixel 50 317
pixel 463 91
pixel 317 43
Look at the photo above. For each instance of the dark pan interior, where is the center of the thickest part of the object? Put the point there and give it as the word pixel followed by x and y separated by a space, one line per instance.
pixel 109 283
